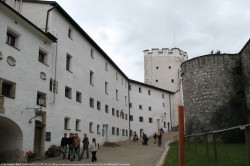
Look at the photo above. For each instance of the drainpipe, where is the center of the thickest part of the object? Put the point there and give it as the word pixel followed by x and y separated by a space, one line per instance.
pixel 129 112
pixel 55 81
pixel 56 46
pixel 47 18
pixel 170 113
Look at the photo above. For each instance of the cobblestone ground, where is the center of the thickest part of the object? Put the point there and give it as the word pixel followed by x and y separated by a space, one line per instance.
pixel 128 153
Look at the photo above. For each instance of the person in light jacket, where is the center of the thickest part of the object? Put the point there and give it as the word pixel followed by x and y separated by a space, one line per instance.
pixel 93 148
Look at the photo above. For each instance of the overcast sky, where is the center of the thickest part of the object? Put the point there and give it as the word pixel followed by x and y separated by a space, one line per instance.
pixel 124 28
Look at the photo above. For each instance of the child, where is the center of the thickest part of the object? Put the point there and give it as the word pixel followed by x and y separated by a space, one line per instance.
pixel 93 148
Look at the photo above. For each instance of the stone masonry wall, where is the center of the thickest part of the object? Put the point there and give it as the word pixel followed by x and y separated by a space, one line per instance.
pixel 245 60
pixel 207 85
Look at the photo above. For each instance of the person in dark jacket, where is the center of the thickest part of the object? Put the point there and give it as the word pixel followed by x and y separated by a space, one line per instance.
pixel 159 139
pixel 64 142
pixel 85 147
pixel 71 147
pixel 145 139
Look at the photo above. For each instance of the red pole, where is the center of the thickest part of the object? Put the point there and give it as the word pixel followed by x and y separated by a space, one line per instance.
pixel 181 135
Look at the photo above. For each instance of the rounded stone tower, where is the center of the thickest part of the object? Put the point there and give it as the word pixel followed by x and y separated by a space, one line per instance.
pixel 208 84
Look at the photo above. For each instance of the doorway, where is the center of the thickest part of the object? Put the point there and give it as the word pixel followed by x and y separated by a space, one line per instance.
pixel 141 133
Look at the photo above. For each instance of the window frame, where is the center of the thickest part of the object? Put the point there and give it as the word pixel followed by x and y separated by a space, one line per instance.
pixel 78 96
pixel 10 35
pixel 91 78
pixel 68 62
pixel 67 123
pixel 44 55
pixel 68 92
pixel 91 102
pixel 78 124
pixel 11 91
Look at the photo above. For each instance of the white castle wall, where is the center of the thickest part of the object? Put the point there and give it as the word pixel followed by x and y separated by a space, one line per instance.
pixel 26 75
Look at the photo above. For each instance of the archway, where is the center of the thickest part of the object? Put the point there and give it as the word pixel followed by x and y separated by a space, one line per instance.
pixel 11 138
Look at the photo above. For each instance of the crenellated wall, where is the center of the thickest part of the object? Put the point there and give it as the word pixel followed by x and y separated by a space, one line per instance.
pixel 207 85
pixel 166 52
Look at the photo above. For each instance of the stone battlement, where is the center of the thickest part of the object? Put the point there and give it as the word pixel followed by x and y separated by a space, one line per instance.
pixel 210 60
pixel 166 52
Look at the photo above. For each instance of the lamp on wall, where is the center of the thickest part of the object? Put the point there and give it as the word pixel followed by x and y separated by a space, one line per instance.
pixel 41 103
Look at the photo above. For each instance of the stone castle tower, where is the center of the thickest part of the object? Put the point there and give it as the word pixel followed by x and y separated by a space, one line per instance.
pixel 162 69
pixel 209 83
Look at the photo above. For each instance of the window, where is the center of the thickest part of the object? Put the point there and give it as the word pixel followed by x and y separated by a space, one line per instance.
pixel 116 95
pixel 150 108
pixel 98 105
pixel 149 92
pixel 116 76
pixel 70 33
pixel 126 84
pixel 98 129
pixel 12 38
pixel 131 117
pixel 150 120
pixel 126 116
pixel 113 130
pixel 91 78
pixel 78 124
pixel 91 102
pixel 130 105
pixel 169 67
pixel 106 108
pixel 122 81
pixel 139 89
pixel 53 85
pixel 140 107
pixel 78 96
pixel 8 88
pixel 140 119
pixel 129 87
pixel 163 104
pixel 41 95
pixel 157 67
pixel 113 111
pixel 42 57
pixel 172 80
pixel 163 96
pixel 106 66
pixel 122 114
pixel 126 132
pixel 91 127
pixel 66 123
pixel 125 100
pixel 117 113
pixel 92 53
pixel 117 131
pixel 68 62
pixel 123 132
pixel 156 80
pixel 106 87
pixel 68 92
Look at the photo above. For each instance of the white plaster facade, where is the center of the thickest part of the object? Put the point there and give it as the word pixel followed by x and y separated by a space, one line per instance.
pixel 162 69
pixel 155 115
pixel 83 74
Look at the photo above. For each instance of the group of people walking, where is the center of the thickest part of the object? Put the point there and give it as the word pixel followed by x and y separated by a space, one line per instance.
pixel 157 138
pixel 72 144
